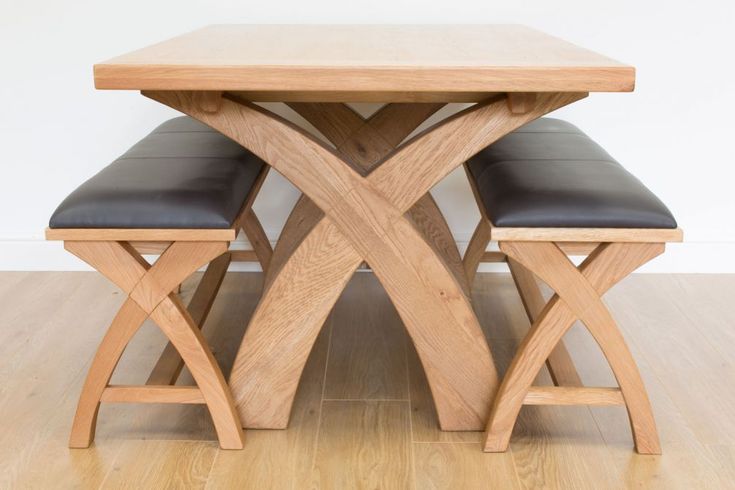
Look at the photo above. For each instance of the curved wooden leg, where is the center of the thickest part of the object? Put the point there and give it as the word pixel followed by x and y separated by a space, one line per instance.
pixel 285 325
pixel 258 239
pixel 126 323
pixel 303 218
pixel 532 353
pixel 250 224
pixel 578 296
pixel 364 143
pixel 267 368
pixel 609 264
pixel 428 219
pixel 440 320
pixel 173 319
pixel 475 250
pixel 625 369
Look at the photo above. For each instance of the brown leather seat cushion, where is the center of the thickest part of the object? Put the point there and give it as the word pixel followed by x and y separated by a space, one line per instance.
pixel 182 175
pixel 550 174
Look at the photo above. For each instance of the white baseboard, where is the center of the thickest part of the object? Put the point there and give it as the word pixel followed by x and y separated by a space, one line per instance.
pixel 690 257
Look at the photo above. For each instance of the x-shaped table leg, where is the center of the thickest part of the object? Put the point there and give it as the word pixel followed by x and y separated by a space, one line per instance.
pixel 364 143
pixel 364 219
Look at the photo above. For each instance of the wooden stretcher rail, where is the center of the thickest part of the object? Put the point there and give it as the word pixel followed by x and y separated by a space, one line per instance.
pixel 152 394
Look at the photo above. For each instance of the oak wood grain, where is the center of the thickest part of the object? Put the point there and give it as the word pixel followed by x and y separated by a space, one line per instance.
pixel 381 458
pixel 152 394
pixel 365 59
pixel 367 358
pixel 368 227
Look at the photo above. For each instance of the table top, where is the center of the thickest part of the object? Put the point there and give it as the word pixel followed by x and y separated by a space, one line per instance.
pixel 361 59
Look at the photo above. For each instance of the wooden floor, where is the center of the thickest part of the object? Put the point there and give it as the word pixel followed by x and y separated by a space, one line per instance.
pixel 363 416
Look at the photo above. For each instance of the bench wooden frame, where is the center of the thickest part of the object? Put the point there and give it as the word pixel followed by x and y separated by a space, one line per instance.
pixel 151 293
pixel 612 254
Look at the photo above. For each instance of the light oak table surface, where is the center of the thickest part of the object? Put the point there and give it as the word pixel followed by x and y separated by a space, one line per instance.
pixel 461 60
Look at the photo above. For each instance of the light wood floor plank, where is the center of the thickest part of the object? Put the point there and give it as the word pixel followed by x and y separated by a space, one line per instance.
pixel 424 420
pixel 552 447
pixel 162 464
pixel 368 357
pixel 45 382
pixel 280 458
pixel 499 308
pixel 449 466
pixel 681 353
pixel 679 328
pixel 364 444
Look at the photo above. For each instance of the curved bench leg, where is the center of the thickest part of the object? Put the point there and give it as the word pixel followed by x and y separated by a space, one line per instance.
pixel 475 250
pixel 578 296
pixel 149 290
pixel 258 239
pixel 252 227
pixel 173 319
pixel 126 323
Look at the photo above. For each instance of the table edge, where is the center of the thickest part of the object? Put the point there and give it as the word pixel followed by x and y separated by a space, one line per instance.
pixel 124 76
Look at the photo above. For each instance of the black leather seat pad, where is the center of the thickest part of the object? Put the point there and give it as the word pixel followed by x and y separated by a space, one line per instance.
pixel 182 175
pixel 550 174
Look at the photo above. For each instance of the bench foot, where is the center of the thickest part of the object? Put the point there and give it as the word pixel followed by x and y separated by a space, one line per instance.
pixel 150 295
pixel 577 296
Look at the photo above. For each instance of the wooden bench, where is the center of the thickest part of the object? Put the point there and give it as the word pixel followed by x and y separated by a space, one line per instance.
pixel 182 192
pixel 547 191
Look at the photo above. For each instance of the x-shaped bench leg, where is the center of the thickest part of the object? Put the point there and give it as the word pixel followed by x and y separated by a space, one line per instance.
pixel 149 290
pixel 560 364
pixel 169 364
pixel 364 219
pixel 578 297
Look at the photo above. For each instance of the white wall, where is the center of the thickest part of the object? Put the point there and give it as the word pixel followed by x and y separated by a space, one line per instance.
pixel 676 131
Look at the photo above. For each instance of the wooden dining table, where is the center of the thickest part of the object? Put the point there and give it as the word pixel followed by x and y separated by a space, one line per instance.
pixel 366 182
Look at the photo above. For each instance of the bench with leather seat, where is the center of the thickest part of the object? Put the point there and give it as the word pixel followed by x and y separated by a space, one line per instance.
pixel 183 192
pixel 182 175
pixel 549 174
pixel 546 191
